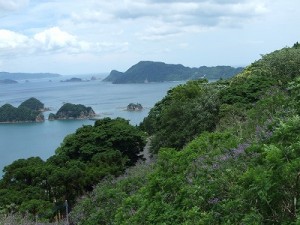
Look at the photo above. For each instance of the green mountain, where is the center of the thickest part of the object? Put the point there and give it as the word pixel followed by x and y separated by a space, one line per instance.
pixel 147 71
pixel 25 76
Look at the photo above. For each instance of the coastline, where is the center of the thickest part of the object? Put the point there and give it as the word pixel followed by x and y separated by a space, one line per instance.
pixel 17 122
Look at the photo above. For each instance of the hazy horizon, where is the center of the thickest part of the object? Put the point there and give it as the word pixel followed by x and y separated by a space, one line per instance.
pixel 68 37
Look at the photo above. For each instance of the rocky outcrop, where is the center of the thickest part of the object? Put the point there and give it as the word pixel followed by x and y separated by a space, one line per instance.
pixel 134 107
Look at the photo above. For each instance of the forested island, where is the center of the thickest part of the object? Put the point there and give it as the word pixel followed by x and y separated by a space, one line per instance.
pixel 32 110
pixel 28 111
pixel 73 79
pixel 148 71
pixel 225 152
pixel 71 111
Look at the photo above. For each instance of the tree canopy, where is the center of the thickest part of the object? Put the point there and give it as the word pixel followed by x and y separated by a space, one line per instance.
pixel 33 104
pixel 83 160
pixel 73 111
pixel 27 111
pixel 184 113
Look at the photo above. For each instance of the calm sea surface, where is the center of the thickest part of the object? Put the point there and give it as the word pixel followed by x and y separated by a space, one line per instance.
pixel 24 140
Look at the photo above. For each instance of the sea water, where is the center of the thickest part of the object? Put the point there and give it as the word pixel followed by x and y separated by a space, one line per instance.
pixel 23 140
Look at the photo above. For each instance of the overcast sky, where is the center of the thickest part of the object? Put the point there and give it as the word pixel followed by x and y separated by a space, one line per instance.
pixel 91 36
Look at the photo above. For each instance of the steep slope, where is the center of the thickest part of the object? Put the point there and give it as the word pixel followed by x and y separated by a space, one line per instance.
pixel 245 171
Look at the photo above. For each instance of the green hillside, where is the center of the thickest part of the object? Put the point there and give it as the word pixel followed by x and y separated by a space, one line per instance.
pixel 222 153
pixel 227 153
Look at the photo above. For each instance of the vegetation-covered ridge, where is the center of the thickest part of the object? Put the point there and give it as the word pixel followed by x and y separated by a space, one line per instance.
pixel 73 111
pixel 148 71
pixel 28 111
pixel 225 153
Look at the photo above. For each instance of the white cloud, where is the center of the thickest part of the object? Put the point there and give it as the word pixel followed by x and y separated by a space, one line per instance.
pixel 52 40
pixel 11 43
pixel 55 39
pixel 158 32
pixel 91 15
pixel 163 19
pixel 11 5
pixel 10 39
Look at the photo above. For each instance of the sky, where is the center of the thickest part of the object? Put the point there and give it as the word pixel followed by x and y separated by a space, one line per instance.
pixel 94 36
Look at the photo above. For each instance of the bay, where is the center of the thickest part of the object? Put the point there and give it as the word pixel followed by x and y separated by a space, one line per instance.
pixel 23 140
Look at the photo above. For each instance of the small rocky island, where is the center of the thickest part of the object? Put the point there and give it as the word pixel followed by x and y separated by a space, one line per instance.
pixel 72 111
pixel 74 79
pixel 134 107
pixel 28 111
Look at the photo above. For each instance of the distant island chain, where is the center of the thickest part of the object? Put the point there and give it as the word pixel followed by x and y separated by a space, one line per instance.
pixel 32 109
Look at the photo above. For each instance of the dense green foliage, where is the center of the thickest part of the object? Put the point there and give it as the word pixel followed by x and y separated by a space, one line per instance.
pixel 147 71
pixel 73 111
pixel 225 153
pixel 33 104
pixel 100 205
pixel 92 153
pixel 184 113
pixel 243 169
pixel 28 111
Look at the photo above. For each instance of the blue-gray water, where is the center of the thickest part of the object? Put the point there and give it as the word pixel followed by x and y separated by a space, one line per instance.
pixel 41 139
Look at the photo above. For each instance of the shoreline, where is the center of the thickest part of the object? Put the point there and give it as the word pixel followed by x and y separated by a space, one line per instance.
pixel 17 122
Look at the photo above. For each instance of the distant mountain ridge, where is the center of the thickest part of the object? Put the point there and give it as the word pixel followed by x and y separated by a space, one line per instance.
pixel 21 76
pixel 8 81
pixel 148 71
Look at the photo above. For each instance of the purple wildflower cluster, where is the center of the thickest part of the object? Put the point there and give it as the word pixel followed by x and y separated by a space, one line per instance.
pixel 213 201
pixel 263 132
pixel 236 152
pixel 231 154
pixel 206 162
